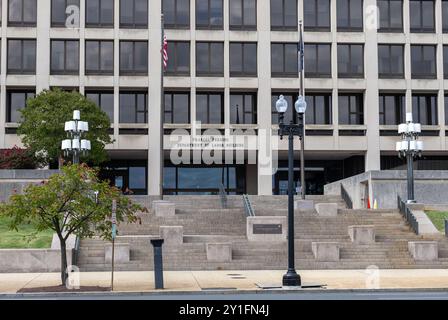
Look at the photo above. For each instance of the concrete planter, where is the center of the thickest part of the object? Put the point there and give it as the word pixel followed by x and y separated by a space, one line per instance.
pixel 219 252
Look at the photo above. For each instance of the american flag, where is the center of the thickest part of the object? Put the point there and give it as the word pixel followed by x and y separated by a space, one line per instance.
pixel 165 52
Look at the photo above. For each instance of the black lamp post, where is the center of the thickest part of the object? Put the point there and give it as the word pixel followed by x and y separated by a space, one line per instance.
pixel 291 278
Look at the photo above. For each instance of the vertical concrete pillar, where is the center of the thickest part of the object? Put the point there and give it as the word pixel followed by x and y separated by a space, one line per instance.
pixel 3 56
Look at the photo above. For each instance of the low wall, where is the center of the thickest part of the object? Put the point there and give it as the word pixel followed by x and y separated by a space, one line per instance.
pixel 31 260
pixel 431 187
pixel 11 180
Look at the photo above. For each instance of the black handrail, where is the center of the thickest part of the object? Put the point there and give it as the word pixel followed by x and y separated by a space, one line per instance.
pixel 346 197
pixel 407 214
pixel 223 195
pixel 248 209
pixel 75 252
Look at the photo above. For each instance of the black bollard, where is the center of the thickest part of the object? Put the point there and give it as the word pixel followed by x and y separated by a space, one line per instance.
pixel 446 228
pixel 158 262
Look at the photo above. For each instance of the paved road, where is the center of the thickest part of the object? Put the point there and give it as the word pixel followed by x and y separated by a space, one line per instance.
pixel 267 295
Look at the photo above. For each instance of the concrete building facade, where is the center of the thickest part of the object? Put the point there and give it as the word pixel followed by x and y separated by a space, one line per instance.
pixel 228 62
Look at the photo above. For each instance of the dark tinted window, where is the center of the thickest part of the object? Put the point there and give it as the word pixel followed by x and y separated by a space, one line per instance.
pixel 210 108
pixel 243 108
pixel 318 60
pixel 209 14
pixel 16 100
pixel 104 100
pixel 243 14
pixel 284 14
pixel 99 13
pixel 391 15
pixel 422 15
pixel 177 107
pixel 133 57
pixel 350 60
pixel 243 59
pixel 318 109
pixel 133 107
pixel 445 61
pixel 317 15
pixel 134 14
pixel 424 109
pixel 176 14
pixel 22 12
pixel 392 109
pixel 446 109
pixel 58 11
pixel 423 61
pixel 284 61
pixel 21 56
pixel 390 61
pixel 445 15
pixel 210 59
pixel 350 15
pixel 64 57
pixel 99 57
pixel 179 58
pixel 351 108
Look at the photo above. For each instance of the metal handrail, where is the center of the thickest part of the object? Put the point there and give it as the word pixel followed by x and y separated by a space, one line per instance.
pixel 248 209
pixel 223 196
pixel 407 214
pixel 346 197
pixel 75 251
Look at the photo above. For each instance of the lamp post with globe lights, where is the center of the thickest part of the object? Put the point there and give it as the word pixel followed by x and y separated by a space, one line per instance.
pixel 76 130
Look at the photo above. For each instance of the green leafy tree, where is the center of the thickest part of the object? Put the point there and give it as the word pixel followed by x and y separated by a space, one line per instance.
pixel 73 202
pixel 43 119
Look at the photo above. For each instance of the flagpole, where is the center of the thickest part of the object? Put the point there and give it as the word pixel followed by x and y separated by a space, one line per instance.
pixel 162 106
pixel 302 93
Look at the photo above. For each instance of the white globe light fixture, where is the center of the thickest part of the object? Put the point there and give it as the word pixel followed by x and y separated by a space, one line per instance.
pixel 75 145
pixel 281 105
pixel 300 105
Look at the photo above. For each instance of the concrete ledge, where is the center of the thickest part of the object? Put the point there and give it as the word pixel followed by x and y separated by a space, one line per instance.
pixel 325 251
pixel 424 250
pixel 121 254
pixel 32 260
pixel 173 235
pixel 219 252
pixel 327 209
pixel 266 228
pixel 362 234
pixel 164 208
pixel 304 205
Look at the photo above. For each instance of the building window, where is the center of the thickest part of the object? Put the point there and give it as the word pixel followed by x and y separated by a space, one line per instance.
pixel 243 59
pixel 422 15
pixel 351 108
pixel 176 14
pixel 58 11
pixel 392 109
pixel 318 108
pixel 445 16
pixel 21 56
pixel 424 109
pixel 179 58
pixel 104 100
pixel 243 14
pixel 243 108
pixel 209 14
pixel 16 100
pixel 423 61
pixel 350 15
pixel 210 108
pixel 445 61
pixel 64 56
pixel 390 61
pixel 99 13
pixel 133 58
pixel 22 13
pixel 99 57
pixel 446 109
pixel 284 61
pixel 317 15
pixel 291 114
pixel 284 15
pixel 210 59
pixel 350 60
pixel 134 14
pixel 391 15
pixel 133 107
pixel 318 60
pixel 177 107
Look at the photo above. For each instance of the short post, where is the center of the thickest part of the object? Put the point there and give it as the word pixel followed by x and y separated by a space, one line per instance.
pixel 446 228
pixel 114 234
pixel 158 262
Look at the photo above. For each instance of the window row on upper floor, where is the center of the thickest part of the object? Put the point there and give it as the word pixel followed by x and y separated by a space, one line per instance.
pixel 209 14
pixel 133 59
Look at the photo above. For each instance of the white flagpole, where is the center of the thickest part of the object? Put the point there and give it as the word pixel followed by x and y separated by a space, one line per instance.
pixel 162 107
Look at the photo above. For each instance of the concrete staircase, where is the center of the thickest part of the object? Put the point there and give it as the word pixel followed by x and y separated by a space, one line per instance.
pixel 204 221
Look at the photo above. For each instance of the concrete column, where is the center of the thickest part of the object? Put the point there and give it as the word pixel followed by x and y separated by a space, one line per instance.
pixel 3 56
pixel 42 44
pixel 116 71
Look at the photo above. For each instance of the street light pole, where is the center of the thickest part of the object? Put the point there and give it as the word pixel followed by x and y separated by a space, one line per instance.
pixel 302 115
pixel 75 145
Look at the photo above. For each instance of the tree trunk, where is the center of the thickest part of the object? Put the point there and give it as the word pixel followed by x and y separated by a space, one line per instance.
pixel 64 274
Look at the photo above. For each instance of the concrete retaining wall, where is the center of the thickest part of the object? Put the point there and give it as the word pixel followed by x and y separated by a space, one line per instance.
pixel 31 260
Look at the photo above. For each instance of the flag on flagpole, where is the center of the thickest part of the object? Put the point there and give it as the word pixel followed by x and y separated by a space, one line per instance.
pixel 165 52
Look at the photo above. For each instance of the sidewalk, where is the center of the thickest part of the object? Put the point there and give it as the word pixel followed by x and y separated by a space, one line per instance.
pixel 240 280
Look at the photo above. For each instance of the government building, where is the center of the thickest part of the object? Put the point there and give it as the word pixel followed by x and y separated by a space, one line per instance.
pixel 228 62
